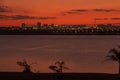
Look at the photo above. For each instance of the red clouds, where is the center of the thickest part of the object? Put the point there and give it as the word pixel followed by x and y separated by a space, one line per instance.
pixel 58 12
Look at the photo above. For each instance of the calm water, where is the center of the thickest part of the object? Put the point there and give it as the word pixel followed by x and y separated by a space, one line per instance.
pixel 81 53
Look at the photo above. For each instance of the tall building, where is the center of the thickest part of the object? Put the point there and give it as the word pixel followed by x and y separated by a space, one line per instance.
pixel 23 25
pixel 39 25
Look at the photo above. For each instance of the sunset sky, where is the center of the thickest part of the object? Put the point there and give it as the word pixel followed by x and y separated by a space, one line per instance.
pixel 15 12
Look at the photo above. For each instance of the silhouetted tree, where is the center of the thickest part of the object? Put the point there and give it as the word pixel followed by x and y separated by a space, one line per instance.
pixel 26 67
pixel 115 56
pixel 58 66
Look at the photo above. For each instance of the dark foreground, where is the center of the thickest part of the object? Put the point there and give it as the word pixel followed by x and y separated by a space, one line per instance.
pixel 59 32
pixel 53 76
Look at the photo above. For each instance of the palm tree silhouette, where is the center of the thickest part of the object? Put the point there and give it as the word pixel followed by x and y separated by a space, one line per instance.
pixel 58 67
pixel 26 67
pixel 115 56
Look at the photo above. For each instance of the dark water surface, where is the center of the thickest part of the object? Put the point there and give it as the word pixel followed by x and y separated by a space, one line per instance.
pixel 81 53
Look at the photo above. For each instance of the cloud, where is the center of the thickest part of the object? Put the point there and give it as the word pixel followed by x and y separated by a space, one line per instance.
pixel 44 18
pixel 106 10
pixel 69 12
pixel 115 18
pixel 101 18
pixel 4 9
pixel 75 11
pixel 22 17
pixel 4 17
pixel 106 18
pixel 80 11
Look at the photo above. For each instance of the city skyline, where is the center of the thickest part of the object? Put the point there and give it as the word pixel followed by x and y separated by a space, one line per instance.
pixel 14 12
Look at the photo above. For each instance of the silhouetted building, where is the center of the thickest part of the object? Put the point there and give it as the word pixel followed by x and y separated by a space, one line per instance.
pixel 24 26
pixel 39 25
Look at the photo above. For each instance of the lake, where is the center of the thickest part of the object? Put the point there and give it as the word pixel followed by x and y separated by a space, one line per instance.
pixel 81 53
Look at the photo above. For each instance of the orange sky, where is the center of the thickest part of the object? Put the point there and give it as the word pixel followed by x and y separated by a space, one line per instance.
pixel 58 11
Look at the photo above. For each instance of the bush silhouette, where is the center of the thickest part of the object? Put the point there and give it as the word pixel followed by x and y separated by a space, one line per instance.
pixel 26 67
pixel 58 67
